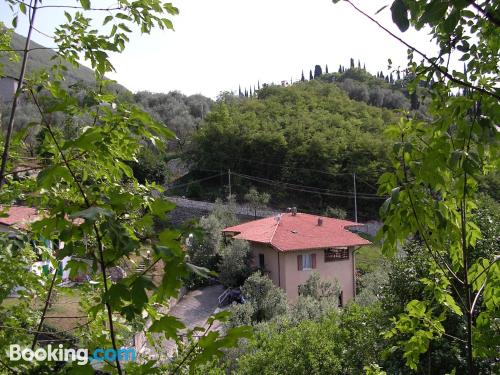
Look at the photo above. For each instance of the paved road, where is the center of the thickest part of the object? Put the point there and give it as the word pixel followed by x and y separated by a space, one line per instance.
pixel 196 306
pixel 193 310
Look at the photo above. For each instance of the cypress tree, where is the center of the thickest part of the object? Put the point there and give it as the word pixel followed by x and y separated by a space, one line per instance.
pixel 302 77
pixel 352 63
pixel 240 94
pixel 414 100
pixel 326 69
pixel 359 64
pixel 310 75
pixel 399 76
pixel 364 66
pixel 340 68
pixel 317 71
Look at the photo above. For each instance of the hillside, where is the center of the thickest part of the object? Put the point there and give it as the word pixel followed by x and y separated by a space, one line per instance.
pixel 41 58
pixel 310 134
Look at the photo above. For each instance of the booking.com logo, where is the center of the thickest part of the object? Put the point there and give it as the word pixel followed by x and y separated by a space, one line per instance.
pixel 59 353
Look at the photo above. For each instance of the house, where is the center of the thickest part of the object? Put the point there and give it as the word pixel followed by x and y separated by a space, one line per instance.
pixel 289 247
pixel 16 219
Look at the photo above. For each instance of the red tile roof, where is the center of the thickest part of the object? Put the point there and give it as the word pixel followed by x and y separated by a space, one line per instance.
pixel 297 232
pixel 19 216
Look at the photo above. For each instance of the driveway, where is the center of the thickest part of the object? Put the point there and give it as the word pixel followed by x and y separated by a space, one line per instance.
pixel 196 306
pixel 193 310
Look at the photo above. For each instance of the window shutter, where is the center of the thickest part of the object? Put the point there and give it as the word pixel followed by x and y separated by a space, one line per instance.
pixel 299 262
pixel 313 260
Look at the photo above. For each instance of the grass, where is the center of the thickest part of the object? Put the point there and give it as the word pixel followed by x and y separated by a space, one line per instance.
pixel 65 304
pixel 368 257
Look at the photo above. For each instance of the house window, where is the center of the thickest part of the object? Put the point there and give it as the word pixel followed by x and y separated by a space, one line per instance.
pixel 333 255
pixel 306 262
pixel 262 262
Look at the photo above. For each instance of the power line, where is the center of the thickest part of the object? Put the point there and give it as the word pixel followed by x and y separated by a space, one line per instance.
pixel 315 189
pixel 299 168
pixel 195 181
pixel 307 189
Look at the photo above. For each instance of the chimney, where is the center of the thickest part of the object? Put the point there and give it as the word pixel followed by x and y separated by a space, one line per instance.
pixel 294 211
pixel 320 221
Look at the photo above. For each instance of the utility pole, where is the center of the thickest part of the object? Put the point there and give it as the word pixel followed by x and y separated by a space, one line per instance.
pixel 229 181
pixel 355 199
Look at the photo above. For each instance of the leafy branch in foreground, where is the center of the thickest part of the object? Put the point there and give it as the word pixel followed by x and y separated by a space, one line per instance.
pixel 89 199
pixel 437 169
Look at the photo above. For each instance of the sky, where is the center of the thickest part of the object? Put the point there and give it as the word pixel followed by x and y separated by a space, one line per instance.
pixel 218 45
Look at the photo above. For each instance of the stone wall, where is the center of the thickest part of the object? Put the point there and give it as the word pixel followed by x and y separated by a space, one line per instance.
pixel 187 209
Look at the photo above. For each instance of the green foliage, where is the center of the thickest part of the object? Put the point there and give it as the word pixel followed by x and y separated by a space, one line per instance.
pixel 257 200
pixel 302 134
pixel 179 112
pixel 149 167
pixel 339 343
pixel 90 200
pixel 235 264
pixel 316 288
pixel 372 284
pixel 265 299
pixel 335 212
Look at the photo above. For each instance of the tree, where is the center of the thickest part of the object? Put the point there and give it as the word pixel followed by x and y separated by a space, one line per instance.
pixel 235 265
pixel 310 75
pixel 335 212
pixel 437 168
pixel 330 345
pixel 326 69
pixel 352 63
pixel 318 289
pixel 317 71
pixel 257 200
pixel 302 79
pixel 266 299
pixel 91 199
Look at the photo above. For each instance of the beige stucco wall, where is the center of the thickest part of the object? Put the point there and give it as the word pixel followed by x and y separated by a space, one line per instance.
pixel 272 259
pixel 342 270
pixel 291 277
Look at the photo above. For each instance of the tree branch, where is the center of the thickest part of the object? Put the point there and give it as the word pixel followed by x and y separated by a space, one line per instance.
pixel 490 16
pixel 428 59
pixel 485 270
pixel 20 85
pixel 193 347
pixel 96 229
pixel 45 308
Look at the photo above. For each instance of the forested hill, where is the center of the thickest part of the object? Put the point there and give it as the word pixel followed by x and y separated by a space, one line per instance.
pixel 40 57
pixel 310 134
